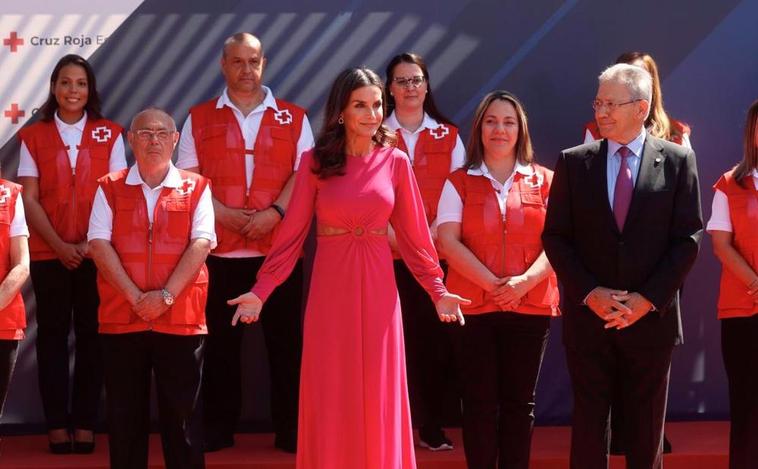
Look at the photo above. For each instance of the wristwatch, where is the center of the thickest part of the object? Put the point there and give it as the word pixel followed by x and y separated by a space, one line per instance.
pixel 168 298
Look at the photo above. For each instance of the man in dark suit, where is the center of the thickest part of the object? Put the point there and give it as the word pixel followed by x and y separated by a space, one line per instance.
pixel 622 231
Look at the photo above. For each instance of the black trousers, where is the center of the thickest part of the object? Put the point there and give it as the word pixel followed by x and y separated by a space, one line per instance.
pixel 8 350
pixel 176 361
pixel 65 297
pixel 428 351
pixel 739 347
pixel 282 330
pixel 500 355
pixel 643 375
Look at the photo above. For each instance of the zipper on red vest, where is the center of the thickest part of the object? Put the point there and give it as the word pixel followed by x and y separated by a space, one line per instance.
pixel 149 265
pixel 73 197
pixel 502 247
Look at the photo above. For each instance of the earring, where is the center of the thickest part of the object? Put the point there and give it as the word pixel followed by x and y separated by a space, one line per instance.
pixel 340 120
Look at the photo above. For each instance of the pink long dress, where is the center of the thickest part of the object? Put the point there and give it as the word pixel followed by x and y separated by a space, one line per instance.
pixel 354 410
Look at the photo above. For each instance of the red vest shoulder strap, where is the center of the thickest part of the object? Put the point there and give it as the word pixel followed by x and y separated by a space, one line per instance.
pixel 458 179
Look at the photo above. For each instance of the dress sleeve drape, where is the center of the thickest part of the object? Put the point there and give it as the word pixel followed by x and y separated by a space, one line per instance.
pixel 288 243
pixel 414 240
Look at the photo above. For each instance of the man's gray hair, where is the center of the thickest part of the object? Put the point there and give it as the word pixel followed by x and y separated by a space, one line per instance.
pixel 636 79
pixel 152 109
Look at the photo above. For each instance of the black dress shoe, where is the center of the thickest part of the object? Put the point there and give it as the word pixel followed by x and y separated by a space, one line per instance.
pixel 84 447
pixel 63 447
pixel 218 443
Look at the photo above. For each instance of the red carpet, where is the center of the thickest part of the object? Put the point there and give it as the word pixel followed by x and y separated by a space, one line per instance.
pixel 697 445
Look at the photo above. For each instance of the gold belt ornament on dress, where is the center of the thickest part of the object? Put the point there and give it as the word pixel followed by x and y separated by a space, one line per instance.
pixel 324 230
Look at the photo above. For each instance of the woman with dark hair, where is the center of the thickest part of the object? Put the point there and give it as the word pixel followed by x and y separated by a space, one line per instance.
pixel 491 214
pixel 62 156
pixel 658 122
pixel 14 270
pixel 354 409
pixel 435 149
pixel 734 229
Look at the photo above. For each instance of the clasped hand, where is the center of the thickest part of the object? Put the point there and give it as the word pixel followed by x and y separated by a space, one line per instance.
pixel 150 305
pixel 252 224
pixel 507 292
pixel 618 308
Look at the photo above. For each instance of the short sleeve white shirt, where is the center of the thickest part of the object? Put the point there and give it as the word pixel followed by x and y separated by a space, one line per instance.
pixel 249 126
pixel 458 156
pixel 71 135
pixel 450 208
pixel 18 224
pixel 101 218
pixel 720 219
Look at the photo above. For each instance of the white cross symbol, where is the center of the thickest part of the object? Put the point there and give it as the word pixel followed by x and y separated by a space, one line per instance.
pixel 440 132
pixel 5 193
pixel 283 117
pixel 188 185
pixel 535 180
pixel 102 134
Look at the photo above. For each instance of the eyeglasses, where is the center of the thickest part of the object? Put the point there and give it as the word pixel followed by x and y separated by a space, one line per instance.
pixel 147 135
pixel 405 82
pixel 611 106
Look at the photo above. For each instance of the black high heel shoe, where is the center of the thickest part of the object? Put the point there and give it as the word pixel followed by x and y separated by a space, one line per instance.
pixel 63 447
pixel 84 447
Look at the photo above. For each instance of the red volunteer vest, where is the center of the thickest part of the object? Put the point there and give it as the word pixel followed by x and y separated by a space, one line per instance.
pixel 67 197
pixel 149 256
pixel 431 163
pixel 678 131
pixel 743 211
pixel 221 155
pixel 13 316
pixel 507 247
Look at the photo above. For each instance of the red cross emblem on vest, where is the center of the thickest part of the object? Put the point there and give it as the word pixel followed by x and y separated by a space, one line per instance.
pixel 5 194
pixel 440 132
pixel 535 180
pixel 102 134
pixel 186 188
pixel 283 117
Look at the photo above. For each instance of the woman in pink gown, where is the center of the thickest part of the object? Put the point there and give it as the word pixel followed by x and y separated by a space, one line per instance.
pixel 354 410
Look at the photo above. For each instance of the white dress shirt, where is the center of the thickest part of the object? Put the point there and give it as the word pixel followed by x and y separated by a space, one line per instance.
pixel 720 218
pixel 450 207
pixel 458 156
pixel 249 126
pixel 71 134
pixel 203 222
pixel 613 163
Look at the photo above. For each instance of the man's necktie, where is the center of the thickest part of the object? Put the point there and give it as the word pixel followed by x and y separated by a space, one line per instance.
pixel 622 193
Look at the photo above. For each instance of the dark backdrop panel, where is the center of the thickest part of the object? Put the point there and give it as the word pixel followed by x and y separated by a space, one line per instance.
pixel 549 53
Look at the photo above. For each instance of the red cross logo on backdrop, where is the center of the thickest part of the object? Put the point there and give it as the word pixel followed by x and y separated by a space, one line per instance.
pixel 5 193
pixel 535 180
pixel 440 132
pixel 283 117
pixel 188 185
pixel 102 134
pixel 13 41
pixel 14 113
